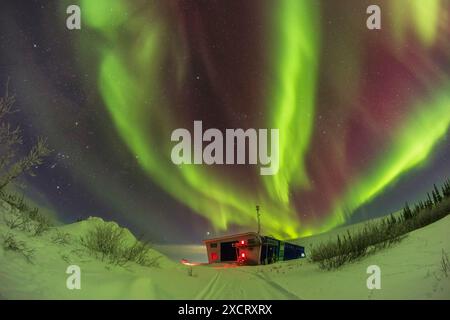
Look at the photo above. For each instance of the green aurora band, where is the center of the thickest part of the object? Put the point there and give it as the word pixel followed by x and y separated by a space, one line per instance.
pixel 130 84
pixel 297 38
pixel 407 150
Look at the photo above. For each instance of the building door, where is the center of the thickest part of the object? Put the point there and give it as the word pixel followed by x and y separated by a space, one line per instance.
pixel 228 251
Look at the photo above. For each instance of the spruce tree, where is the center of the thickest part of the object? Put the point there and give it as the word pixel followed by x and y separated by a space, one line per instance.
pixel 12 166
pixel 429 203
pixel 407 212
pixel 446 189
pixel 438 194
pixel 435 198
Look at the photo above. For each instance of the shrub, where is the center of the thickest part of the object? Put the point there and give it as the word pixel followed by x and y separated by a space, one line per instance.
pixel 61 238
pixel 25 218
pixel 139 252
pixel 17 220
pixel 105 239
pixel 108 241
pixel 41 224
pixel 11 243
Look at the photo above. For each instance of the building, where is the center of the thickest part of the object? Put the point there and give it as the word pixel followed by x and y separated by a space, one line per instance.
pixel 251 249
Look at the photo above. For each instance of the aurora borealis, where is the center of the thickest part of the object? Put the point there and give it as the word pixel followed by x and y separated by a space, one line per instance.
pixel 361 113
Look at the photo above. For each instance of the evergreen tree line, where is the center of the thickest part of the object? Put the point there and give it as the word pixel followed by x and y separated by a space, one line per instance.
pixel 432 200
pixel 379 234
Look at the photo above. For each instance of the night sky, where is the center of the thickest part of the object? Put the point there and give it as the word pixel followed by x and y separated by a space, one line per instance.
pixel 364 115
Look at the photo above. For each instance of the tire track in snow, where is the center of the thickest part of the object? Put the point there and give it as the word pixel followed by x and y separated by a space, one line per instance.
pixel 264 279
pixel 239 284
pixel 208 290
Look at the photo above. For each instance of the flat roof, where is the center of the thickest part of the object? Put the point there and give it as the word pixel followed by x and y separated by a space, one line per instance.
pixel 231 236
pixel 252 233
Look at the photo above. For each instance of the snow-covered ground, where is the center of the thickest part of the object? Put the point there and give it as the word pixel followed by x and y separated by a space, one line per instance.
pixel 410 269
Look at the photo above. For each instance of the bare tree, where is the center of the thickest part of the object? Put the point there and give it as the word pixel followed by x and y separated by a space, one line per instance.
pixel 11 164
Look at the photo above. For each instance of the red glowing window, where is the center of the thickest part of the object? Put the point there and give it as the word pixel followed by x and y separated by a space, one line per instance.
pixel 243 255
pixel 242 242
pixel 214 256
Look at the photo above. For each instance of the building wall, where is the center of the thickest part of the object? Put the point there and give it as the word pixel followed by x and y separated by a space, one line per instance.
pixel 252 254
pixel 251 249
pixel 213 253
